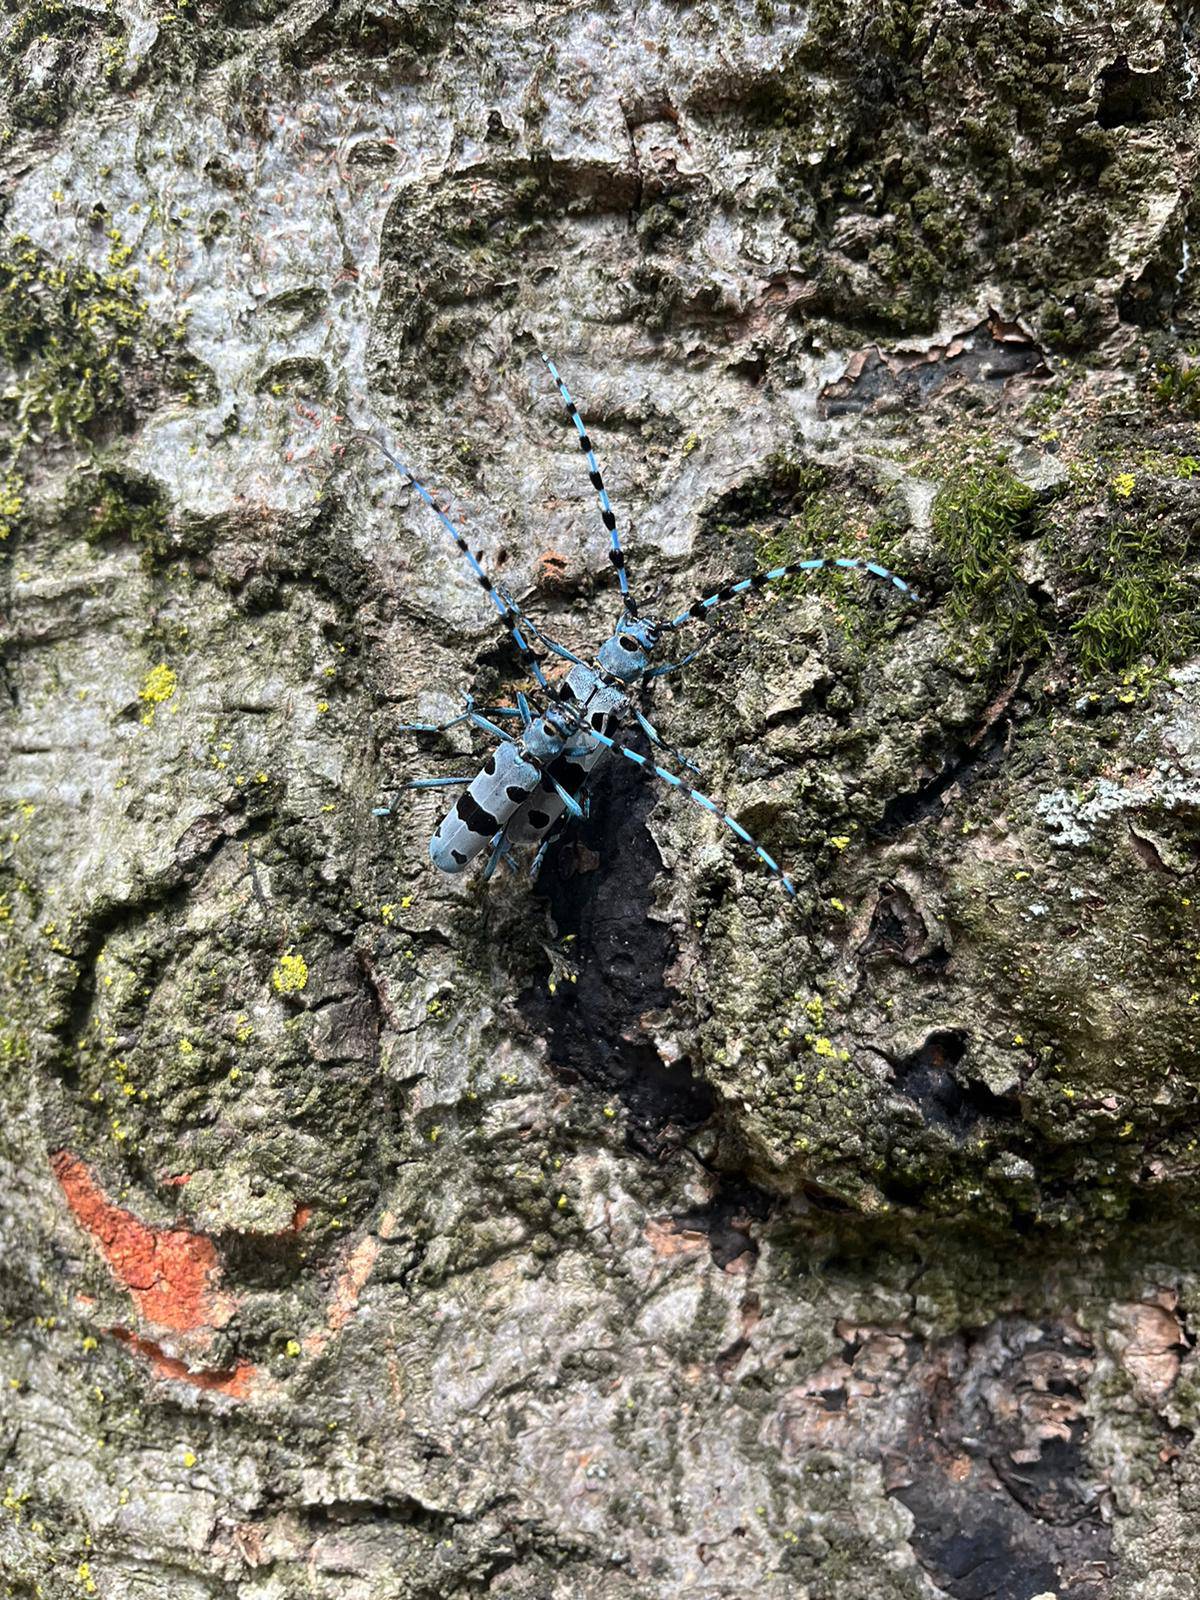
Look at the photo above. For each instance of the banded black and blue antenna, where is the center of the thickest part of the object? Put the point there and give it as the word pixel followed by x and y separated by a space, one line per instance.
pixel 699 609
pixel 510 613
pixel 616 555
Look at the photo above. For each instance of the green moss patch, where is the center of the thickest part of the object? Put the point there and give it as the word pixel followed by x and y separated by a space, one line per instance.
pixel 978 519
pixel 48 49
pixel 1148 604
pixel 937 147
pixel 117 507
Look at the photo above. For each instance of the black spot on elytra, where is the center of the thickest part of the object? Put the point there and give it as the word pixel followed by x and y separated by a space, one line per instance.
pixel 472 816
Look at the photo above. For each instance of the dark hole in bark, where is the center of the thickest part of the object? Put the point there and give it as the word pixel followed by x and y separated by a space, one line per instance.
pixel 1025 1514
pixel 593 1027
pixel 966 767
pixel 945 1097
pixel 979 1561
pixel 727 1219
pixel 897 931
pixel 1127 98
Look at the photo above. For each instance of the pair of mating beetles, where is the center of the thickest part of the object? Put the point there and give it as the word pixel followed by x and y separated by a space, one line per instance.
pixel 536 779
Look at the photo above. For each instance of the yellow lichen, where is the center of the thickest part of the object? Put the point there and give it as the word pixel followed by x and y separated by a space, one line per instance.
pixel 11 502
pixel 290 974
pixel 159 685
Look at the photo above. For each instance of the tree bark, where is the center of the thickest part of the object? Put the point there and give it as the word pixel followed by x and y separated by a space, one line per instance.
pixel 638 1230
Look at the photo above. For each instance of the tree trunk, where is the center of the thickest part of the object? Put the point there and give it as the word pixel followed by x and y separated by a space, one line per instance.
pixel 640 1230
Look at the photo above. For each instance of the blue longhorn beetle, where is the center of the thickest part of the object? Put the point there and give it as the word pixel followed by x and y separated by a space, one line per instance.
pixel 535 778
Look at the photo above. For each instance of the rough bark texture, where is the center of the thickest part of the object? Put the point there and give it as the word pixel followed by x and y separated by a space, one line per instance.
pixel 368 1233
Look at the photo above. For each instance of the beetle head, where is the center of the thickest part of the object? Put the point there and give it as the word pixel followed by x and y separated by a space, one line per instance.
pixel 627 653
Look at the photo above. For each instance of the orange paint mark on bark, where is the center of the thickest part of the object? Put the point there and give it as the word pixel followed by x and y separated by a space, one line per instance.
pixel 351 1281
pixel 177 1180
pixel 300 1218
pixel 235 1381
pixel 171 1272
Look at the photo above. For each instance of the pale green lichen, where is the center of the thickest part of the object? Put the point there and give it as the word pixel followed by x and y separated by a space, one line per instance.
pixel 70 334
